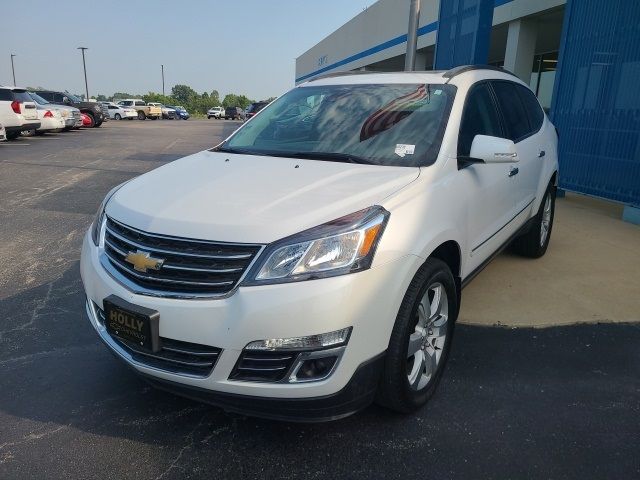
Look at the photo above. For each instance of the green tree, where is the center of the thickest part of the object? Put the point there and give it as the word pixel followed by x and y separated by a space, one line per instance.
pixel 183 93
pixel 233 100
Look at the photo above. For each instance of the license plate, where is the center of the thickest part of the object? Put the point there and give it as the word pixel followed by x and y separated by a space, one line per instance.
pixel 132 323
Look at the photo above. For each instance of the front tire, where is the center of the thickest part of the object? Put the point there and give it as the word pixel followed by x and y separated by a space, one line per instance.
pixel 141 115
pixel 421 339
pixel 534 243
pixel 117 117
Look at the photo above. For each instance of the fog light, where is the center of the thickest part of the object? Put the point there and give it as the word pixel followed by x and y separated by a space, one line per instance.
pixel 312 342
pixel 315 368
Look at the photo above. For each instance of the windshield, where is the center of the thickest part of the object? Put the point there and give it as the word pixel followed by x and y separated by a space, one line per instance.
pixel 390 124
pixel 38 99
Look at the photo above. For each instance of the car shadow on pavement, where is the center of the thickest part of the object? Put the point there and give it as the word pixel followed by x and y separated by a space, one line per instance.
pixel 514 403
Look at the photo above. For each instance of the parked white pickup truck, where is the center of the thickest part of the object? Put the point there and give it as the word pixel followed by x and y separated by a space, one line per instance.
pixel 313 262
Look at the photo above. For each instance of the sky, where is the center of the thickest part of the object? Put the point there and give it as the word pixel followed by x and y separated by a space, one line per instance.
pixel 233 46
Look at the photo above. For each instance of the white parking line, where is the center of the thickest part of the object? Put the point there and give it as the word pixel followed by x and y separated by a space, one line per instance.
pixel 14 144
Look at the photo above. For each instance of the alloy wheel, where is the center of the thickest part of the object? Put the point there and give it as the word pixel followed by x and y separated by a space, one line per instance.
pixel 545 224
pixel 427 341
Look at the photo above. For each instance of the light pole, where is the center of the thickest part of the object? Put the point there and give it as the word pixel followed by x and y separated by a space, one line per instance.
pixel 412 36
pixel 13 70
pixel 84 65
pixel 162 66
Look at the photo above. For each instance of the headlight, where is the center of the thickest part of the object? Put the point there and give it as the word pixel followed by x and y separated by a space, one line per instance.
pixel 342 246
pixel 96 226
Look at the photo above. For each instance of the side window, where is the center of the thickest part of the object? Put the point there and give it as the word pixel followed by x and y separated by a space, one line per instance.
pixel 534 111
pixel 58 97
pixel 139 104
pixel 514 114
pixel 480 117
pixel 5 95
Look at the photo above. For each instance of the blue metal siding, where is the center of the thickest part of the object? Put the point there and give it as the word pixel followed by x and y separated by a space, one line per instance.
pixel 596 101
pixel 464 29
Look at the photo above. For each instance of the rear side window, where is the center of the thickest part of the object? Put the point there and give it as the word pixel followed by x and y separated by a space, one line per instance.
pixel 22 96
pixel 139 104
pixel 480 117
pixel 5 95
pixel 515 115
pixel 531 104
pixel 59 97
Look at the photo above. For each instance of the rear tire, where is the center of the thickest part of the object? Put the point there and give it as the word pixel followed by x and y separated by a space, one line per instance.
pixel 420 340
pixel 97 124
pixel 534 243
pixel 141 115
pixel 13 135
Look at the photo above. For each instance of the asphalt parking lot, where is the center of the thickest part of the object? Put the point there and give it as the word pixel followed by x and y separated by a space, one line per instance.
pixel 514 403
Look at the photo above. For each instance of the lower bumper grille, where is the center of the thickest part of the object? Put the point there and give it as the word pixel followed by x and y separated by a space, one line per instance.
pixel 263 366
pixel 174 356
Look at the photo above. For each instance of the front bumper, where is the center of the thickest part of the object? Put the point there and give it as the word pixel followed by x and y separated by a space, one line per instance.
pixel 367 301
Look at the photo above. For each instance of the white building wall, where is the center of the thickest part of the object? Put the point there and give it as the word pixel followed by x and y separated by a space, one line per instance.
pixel 370 36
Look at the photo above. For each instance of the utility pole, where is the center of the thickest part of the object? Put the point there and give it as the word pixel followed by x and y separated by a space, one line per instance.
pixel 84 65
pixel 13 70
pixel 162 66
pixel 412 36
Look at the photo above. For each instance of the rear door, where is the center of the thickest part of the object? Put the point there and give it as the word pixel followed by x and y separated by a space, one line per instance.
pixel 517 123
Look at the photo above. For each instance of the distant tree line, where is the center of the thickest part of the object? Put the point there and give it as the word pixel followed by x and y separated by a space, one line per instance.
pixel 186 96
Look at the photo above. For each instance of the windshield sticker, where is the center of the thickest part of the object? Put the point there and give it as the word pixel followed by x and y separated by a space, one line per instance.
pixel 437 92
pixel 404 149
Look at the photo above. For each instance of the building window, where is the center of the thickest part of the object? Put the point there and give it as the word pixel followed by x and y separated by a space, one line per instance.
pixel 543 76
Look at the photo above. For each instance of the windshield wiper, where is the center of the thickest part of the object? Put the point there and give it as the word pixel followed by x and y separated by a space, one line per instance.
pixel 233 150
pixel 330 157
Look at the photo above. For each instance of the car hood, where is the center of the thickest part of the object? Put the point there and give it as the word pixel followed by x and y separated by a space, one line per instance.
pixel 250 199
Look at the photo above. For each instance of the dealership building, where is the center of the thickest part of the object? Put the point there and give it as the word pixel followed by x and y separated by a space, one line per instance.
pixel 580 57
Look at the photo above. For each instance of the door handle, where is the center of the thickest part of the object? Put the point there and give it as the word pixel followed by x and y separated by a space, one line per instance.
pixel 541 154
pixel 513 171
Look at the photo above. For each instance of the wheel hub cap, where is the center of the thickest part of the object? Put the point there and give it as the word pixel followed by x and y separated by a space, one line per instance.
pixel 428 338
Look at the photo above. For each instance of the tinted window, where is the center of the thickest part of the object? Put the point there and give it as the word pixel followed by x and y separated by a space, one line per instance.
pixel 21 96
pixel 515 116
pixel 46 95
pixel 536 116
pixel 59 97
pixel 480 117
pixel 141 104
pixel 5 95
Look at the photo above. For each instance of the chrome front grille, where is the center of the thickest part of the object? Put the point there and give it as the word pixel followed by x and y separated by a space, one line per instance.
pixel 190 267
pixel 183 358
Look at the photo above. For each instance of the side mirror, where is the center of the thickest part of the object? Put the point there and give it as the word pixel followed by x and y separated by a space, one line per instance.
pixel 493 150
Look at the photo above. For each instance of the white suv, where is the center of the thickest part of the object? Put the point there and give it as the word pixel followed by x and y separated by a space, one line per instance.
pixel 314 261
pixel 215 112
pixel 17 111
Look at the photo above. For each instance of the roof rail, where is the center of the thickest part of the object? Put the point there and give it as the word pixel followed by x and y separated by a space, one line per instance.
pixel 364 72
pixel 467 68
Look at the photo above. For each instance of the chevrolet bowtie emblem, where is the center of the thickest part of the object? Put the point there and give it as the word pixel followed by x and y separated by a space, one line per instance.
pixel 142 261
